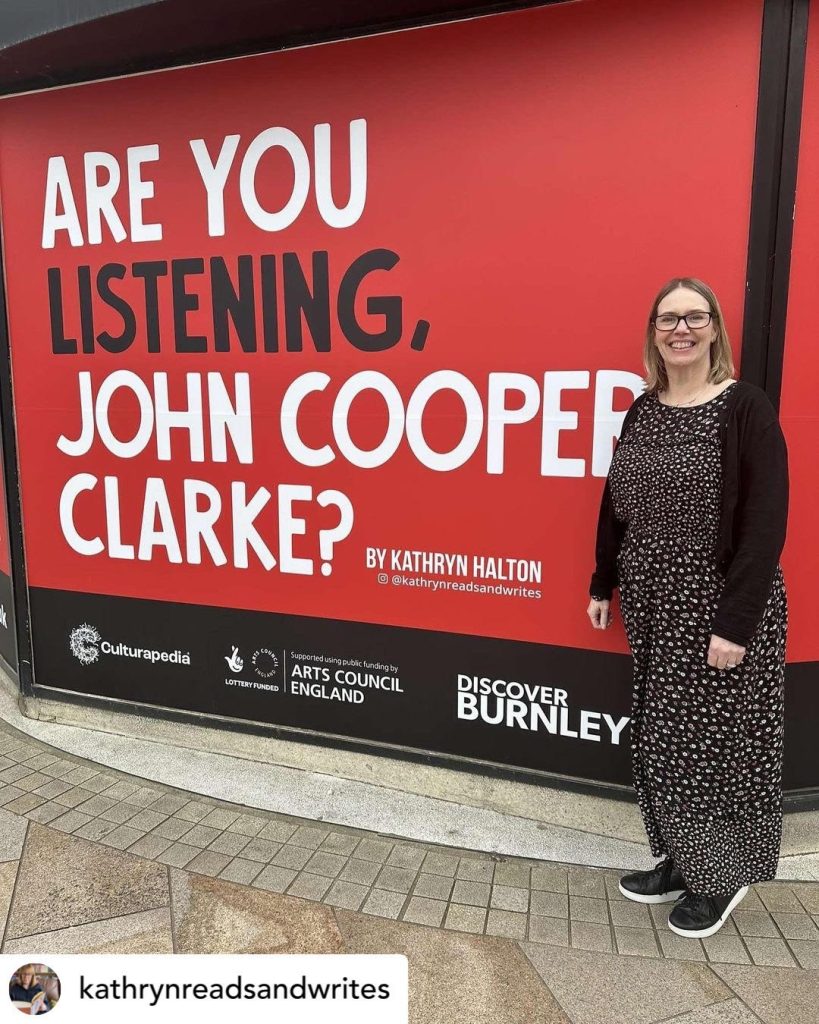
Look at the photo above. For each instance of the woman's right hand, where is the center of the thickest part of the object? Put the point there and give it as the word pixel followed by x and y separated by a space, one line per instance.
pixel 600 614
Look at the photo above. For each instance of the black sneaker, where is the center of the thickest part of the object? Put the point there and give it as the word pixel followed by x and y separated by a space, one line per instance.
pixel 662 884
pixel 697 916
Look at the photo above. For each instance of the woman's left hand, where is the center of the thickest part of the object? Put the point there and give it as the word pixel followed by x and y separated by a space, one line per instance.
pixel 722 654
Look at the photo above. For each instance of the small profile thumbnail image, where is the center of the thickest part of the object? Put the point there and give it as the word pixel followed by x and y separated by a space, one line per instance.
pixel 34 988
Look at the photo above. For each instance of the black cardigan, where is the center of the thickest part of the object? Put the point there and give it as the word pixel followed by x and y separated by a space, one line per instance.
pixel 753 516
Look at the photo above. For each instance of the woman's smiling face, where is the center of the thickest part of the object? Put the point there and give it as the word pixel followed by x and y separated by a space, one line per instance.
pixel 684 346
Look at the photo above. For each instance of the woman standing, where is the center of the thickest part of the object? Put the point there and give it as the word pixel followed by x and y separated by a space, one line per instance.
pixel 691 527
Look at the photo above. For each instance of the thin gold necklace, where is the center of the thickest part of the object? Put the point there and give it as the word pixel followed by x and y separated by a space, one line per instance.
pixel 677 405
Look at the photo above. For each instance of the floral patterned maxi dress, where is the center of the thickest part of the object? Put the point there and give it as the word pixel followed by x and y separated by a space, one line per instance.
pixel 706 744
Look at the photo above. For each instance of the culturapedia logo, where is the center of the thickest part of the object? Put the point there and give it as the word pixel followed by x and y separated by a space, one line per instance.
pixel 84 642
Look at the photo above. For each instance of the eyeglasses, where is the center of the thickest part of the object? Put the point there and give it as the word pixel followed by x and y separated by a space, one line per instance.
pixel 669 321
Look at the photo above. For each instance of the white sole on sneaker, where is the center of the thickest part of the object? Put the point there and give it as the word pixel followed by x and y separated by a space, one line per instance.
pixel 666 897
pixel 703 933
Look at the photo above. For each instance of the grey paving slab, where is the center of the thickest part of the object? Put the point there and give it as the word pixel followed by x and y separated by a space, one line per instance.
pixel 806 953
pixel 440 864
pixel 277 832
pixel 46 812
pixel 339 843
pixel 261 849
pixel 230 843
pixel 309 837
pixel 808 896
pixel 776 996
pixel 457 977
pixel 146 819
pixel 72 797
pixel 8 878
pixel 624 913
pixel 240 870
pixel 98 783
pixel 194 811
pixel 474 894
pixel 53 788
pixel 778 897
pixel 756 923
pixel 32 782
pixel 585 882
pixel 121 838
pixel 292 857
pixel 552 930
pixel 70 821
pixel 219 818
pixel 65 881
pixel 309 886
pixel 248 825
pixel 173 828
pixel 549 904
pixel 384 903
pixel 796 926
pixel 145 932
pixel 769 952
pixel 346 895
pixel 472 869
pixel 508 897
pixel 9 793
pixel 373 849
pixel 506 923
pixel 169 803
pixel 514 874
pixel 591 936
pixel 201 835
pixel 12 833
pixel 728 1011
pixel 363 872
pixel 421 910
pixel 274 879
pixel 551 877
pixel 636 941
pixel 150 845
pixel 403 855
pixel 675 947
pixel 213 915
pixel 178 855
pixel 120 813
pixel 328 864
pixel 95 829
pixel 208 863
pixel 586 908
pixel 625 989
pixel 399 879
pixel 436 887
pixel 462 918
pixel 726 949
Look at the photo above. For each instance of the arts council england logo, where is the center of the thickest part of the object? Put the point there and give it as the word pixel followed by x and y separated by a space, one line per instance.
pixel 84 642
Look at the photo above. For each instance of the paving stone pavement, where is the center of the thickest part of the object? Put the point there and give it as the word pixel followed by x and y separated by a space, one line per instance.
pixel 95 860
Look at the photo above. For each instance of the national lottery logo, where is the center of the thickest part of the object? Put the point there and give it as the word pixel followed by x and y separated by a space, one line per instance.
pixel 265 663
pixel 84 643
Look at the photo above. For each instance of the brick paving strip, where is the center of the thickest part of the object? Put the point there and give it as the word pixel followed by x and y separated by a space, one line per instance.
pixel 555 904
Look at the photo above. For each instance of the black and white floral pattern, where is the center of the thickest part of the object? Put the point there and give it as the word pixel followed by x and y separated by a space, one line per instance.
pixel 706 744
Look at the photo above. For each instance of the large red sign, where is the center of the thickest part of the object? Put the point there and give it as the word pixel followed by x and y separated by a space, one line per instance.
pixel 800 421
pixel 346 331
pixel 319 356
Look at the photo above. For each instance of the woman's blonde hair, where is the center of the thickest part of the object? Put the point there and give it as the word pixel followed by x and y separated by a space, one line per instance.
pixel 722 362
